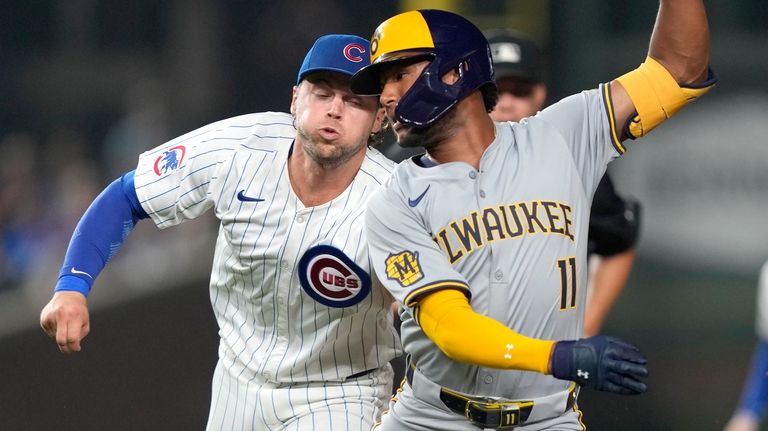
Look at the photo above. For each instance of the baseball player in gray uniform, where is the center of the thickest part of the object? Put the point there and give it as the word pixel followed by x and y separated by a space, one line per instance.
pixel 483 239
pixel 306 333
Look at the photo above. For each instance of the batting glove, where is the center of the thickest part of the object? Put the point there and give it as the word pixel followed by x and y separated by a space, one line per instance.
pixel 600 362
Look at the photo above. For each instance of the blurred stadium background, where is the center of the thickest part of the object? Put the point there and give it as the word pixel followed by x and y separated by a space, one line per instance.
pixel 85 85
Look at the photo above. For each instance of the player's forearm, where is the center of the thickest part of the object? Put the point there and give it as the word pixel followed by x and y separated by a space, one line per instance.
pixel 680 40
pixel 99 234
pixel 609 281
pixel 466 336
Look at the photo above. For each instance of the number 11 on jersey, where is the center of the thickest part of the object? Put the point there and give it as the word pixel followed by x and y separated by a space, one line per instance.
pixel 567 269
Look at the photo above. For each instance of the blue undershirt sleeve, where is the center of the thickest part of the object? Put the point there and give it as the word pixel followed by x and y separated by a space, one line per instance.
pixel 755 394
pixel 99 234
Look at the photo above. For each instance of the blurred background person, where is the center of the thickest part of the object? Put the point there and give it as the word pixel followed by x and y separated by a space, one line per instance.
pixel 754 396
pixel 614 221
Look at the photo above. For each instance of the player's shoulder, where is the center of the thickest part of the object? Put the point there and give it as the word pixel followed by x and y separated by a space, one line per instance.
pixel 530 134
pixel 261 131
pixel 407 177
pixel 376 167
pixel 241 127
pixel 266 124
pixel 583 101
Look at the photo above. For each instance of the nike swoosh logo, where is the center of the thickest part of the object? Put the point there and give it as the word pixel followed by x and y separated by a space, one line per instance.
pixel 242 197
pixel 414 202
pixel 74 271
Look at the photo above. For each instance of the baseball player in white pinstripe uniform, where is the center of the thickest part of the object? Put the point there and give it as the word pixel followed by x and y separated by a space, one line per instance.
pixel 306 335
pixel 483 238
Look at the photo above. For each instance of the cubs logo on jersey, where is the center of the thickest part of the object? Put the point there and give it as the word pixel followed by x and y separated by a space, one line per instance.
pixel 331 278
pixel 170 160
pixel 404 267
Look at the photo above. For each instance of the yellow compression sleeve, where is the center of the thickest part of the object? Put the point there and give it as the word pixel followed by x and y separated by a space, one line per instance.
pixel 656 96
pixel 463 335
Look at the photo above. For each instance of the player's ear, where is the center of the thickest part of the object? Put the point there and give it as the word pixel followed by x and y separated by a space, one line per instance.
pixel 378 123
pixel 539 95
pixel 294 96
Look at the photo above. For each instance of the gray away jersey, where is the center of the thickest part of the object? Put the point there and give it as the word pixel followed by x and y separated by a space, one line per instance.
pixel 512 235
pixel 290 285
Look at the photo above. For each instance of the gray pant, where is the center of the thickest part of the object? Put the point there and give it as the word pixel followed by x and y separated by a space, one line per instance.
pixel 409 413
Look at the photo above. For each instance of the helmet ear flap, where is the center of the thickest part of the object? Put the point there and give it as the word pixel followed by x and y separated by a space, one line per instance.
pixel 428 99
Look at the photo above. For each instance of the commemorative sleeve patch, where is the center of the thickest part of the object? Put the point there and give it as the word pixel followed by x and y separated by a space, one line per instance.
pixel 170 160
pixel 404 267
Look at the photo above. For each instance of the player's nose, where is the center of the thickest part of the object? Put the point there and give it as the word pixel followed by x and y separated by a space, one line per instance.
pixel 336 106
pixel 389 96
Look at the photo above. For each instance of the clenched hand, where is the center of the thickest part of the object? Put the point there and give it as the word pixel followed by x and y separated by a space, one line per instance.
pixel 65 319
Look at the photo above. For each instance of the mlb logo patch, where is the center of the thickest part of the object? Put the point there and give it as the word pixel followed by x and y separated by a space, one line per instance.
pixel 169 160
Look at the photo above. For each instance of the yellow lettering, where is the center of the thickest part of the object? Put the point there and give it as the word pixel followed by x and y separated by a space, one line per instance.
pixel 566 216
pixel 531 217
pixel 492 224
pixel 551 217
pixel 519 227
pixel 445 244
pixel 468 232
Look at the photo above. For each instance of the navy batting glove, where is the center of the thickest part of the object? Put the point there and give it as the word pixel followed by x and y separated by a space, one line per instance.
pixel 600 362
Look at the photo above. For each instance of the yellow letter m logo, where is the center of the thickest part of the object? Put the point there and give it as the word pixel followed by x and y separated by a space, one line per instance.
pixel 404 267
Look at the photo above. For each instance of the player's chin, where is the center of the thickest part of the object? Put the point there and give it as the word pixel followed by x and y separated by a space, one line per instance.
pixel 334 154
pixel 406 138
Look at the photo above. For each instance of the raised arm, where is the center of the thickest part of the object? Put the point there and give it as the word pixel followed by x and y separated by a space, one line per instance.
pixel 680 40
pixel 680 46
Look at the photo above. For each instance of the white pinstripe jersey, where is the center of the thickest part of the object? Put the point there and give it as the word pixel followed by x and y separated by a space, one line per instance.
pixel 512 234
pixel 289 286
pixel 761 320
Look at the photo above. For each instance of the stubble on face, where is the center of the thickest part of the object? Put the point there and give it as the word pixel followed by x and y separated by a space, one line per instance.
pixel 329 140
pixel 432 136
pixel 328 155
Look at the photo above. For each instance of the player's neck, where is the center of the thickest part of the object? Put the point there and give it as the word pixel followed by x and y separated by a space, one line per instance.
pixel 316 185
pixel 469 142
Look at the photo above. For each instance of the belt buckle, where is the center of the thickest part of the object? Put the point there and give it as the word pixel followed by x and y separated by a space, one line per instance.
pixel 495 415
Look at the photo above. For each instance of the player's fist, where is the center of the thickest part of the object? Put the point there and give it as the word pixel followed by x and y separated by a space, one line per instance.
pixel 65 319
pixel 603 363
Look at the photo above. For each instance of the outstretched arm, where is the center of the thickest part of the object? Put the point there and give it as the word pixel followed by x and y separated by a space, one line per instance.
pixel 97 237
pixel 603 363
pixel 680 44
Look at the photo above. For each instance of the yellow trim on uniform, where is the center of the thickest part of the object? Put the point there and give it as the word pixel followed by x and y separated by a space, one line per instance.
pixel 656 96
pixel 612 119
pixel 402 32
pixel 413 298
pixel 466 336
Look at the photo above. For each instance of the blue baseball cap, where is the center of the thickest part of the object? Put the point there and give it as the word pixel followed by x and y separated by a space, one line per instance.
pixel 343 53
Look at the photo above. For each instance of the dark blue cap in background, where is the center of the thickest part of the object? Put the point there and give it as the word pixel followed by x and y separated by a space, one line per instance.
pixel 342 53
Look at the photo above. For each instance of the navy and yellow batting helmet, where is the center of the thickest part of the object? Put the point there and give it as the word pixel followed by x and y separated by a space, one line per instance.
pixel 450 41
